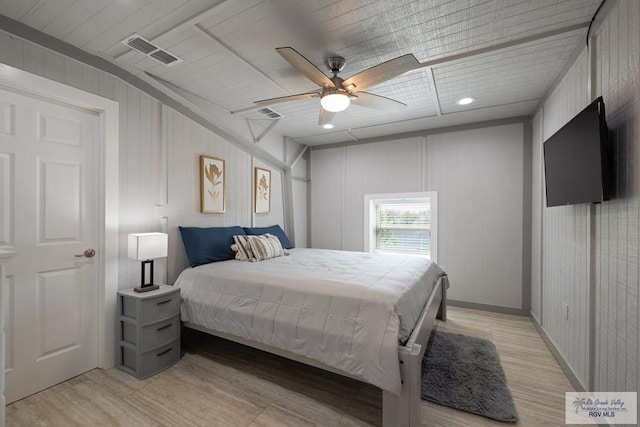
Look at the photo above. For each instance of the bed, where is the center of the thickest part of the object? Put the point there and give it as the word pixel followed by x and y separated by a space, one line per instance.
pixel 361 315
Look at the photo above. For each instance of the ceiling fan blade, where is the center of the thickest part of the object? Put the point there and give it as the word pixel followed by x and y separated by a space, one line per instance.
pixel 377 102
pixel 305 66
pixel 381 72
pixel 289 98
pixel 325 117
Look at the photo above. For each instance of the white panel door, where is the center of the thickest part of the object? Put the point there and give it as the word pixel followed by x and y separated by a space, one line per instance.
pixel 49 170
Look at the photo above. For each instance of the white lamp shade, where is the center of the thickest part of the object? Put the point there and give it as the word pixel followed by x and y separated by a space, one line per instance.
pixel 144 246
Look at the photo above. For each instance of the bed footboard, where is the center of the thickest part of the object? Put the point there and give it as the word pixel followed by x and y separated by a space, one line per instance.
pixel 397 410
pixel 442 311
pixel 404 410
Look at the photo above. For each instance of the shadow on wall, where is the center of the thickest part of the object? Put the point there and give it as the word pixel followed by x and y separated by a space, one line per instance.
pixel 622 152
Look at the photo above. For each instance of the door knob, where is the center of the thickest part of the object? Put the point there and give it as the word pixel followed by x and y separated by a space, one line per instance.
pixel 89 253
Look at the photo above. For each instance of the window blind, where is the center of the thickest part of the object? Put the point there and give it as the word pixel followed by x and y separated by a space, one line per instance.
pixel 404 227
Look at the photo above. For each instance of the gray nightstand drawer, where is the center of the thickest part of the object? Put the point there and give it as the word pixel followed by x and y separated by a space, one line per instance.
pixel 148 363
pixel 151 336
pixel 151 309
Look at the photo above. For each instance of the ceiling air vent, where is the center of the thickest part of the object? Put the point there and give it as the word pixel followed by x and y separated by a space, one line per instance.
pixel 164 57
pixel 270 113
pixel 145 47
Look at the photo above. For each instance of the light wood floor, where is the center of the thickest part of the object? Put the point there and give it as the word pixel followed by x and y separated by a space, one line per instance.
pixel 218 383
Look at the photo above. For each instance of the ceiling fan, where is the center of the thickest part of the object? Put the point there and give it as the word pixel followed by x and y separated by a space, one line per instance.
pixel 338 93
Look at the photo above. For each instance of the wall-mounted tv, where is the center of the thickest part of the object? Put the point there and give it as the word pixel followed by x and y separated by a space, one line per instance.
pixel 575 159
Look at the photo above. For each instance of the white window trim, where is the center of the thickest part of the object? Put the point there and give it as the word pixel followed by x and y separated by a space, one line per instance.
pixel 370 202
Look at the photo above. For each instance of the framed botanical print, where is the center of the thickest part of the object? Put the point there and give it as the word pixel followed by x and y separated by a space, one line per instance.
pixel 212 183
pixel 262 187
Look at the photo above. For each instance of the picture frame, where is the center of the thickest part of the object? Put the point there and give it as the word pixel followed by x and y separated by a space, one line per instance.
pixel 212 185
pixel 262 190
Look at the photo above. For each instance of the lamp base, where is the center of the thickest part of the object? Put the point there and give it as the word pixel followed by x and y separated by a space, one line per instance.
pixel 146 288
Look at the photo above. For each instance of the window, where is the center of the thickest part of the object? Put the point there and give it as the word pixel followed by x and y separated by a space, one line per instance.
pixel 402 223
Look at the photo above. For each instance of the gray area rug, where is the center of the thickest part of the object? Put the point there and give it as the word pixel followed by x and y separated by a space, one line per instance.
pixel 465 373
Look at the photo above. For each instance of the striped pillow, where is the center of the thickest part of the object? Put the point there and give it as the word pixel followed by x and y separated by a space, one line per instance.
pixel 242 248
pixel 257 248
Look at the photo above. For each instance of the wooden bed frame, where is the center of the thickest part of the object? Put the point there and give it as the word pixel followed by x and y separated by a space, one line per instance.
pixel 401 410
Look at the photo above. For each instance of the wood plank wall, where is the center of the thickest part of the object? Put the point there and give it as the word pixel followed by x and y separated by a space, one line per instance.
pixel 617 235
pixel 140 187
pixel 159 149
pixel 567 232
pixel 565 237
pixel 537 202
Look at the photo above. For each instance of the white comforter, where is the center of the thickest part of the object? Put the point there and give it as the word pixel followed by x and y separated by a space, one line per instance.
pixel 348 310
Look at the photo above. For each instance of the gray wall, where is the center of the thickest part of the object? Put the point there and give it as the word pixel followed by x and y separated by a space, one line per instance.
pixel 597 245
pixel 300 184
pixel 537 201
pixel 479 177
pixel 185 142
pixel 565 236
pixel 159 151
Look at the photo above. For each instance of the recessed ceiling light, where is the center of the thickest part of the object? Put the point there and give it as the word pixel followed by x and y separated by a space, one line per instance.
pixel 327 126
pixel 465 101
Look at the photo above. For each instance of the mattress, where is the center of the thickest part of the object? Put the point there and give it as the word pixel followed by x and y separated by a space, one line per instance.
pixel 348 310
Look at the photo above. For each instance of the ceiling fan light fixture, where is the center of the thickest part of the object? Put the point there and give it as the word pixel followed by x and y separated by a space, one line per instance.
pixel 466 101
pixel 335 100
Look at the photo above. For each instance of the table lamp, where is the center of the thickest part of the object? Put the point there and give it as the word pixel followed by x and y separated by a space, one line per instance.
pixel 146 247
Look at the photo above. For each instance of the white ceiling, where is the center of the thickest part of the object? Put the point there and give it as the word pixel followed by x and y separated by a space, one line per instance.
pixel 228 48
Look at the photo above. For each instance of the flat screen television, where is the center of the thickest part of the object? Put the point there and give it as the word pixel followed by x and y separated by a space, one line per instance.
pixel 575 159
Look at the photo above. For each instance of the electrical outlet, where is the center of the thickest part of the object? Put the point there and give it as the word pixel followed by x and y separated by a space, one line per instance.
pixel 565 311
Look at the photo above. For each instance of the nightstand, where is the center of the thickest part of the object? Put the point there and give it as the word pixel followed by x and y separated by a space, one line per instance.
pixel 149 330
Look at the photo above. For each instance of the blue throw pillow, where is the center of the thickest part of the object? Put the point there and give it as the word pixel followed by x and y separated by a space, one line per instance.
pixel 276 230
pixel 211 244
